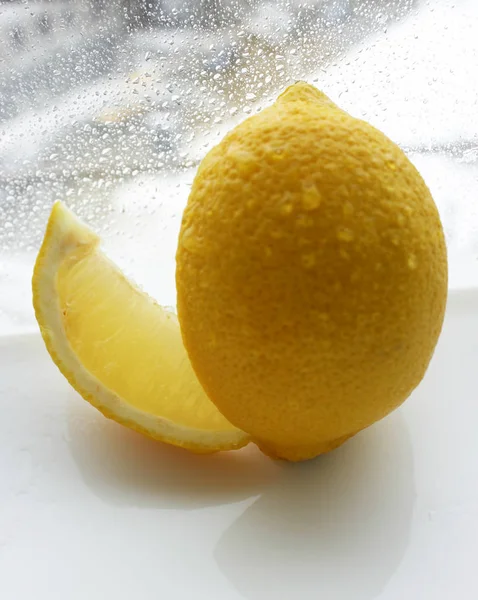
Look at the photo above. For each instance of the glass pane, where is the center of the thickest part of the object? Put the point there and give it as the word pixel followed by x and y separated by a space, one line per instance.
pixel 110 106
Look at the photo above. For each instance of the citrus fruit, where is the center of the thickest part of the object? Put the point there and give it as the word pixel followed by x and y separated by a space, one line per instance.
pixel 311 275
pixel 118 348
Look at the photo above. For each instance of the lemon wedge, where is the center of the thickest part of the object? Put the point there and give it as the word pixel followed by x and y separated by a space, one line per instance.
pixel 116 346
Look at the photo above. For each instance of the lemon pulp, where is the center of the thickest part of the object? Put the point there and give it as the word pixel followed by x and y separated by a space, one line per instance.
pixel 118 348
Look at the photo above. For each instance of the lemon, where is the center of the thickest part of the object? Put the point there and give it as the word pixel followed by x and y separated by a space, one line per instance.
pixel 118 348
pixel 311 275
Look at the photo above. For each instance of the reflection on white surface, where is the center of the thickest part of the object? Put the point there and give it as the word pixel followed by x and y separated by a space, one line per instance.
pixel 336 527
pixel 92 510
pixel 124 468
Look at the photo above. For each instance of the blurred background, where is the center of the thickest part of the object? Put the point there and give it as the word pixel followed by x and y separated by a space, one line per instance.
pixel 109 105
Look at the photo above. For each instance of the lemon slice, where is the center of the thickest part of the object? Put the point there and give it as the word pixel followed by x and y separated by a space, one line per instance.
pixel 116 346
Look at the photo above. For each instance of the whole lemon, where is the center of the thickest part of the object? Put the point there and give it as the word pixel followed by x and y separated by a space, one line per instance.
pixel 311 275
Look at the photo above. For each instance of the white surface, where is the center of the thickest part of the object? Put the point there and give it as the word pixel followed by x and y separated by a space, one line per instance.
pixel 91 510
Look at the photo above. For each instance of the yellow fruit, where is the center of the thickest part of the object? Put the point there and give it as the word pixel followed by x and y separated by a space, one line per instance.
pixel 118 348
pixel 311 275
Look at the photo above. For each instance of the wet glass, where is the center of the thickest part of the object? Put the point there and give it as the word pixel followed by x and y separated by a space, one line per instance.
pixel 110 106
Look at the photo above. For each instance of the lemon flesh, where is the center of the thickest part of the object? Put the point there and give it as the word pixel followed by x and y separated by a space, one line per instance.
pixel 116 346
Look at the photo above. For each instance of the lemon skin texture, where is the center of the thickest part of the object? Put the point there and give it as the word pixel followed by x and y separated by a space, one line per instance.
pixel 311 275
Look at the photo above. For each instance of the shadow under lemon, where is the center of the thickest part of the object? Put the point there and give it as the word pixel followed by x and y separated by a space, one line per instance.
pixel 123 467
pixel 335 528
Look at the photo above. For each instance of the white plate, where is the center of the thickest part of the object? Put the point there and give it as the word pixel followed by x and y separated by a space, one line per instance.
pixel 91 510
